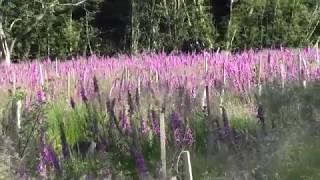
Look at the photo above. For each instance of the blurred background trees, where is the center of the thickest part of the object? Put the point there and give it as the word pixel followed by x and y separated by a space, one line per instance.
pixel 55 28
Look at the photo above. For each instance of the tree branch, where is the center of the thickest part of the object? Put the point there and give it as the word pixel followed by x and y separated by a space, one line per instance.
pixel 27 31
pixel 73 4
pixel 13 22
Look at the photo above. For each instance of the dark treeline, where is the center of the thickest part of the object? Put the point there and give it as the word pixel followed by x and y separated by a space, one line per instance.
pixel 48 28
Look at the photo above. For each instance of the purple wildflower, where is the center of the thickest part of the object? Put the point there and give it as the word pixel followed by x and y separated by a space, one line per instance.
pixel 143 127
pixel 183 137
pixel 140 163
pixel 188 137
pixel 48 158
pixel 178 135
pixel 125 123
pixel 41 96
pixel 175 120
pixel 155 123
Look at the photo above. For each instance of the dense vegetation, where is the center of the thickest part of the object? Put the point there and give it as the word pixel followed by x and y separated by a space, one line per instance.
pixel 49 28
pixel 243 103
pixel 245 116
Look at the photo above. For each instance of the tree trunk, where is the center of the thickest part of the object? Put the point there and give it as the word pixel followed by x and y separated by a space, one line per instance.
pixel 5 51
pixel 7 58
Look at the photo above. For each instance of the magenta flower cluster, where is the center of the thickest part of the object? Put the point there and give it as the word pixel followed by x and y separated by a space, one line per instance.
pixel 240 72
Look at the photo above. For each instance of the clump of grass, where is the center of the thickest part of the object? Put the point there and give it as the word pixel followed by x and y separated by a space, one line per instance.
pixel 242 118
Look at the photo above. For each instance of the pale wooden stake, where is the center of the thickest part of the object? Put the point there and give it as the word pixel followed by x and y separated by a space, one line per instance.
pixel 259 77
pixel 223 84
pixel 208 100
pixel 19 107
pixel 206 65
pixel 139 86
pixel 41 75
pixel 18 103
pixel 69 85
pixel 299 66
pixel 282 70
pixel 56 67
pixel 305 72
pixel 45 75
pixel 157 77
pixel 163 147
pixel 14 83
pixel 73 75
pixel 317 53
pixel 204 98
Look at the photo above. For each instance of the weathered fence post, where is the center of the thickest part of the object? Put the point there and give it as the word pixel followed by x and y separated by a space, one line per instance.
pixel 283 72
pixel 259 77
pixel 163 146
pixel 223 85
pixel 56 67
pixel 317 53
pixel 305 72
pixel 41 76
pixel 68 85
pixel 18 104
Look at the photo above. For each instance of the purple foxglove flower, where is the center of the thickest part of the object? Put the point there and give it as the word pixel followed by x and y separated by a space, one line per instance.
pixel 188 137
pixel 178 135
pixel 140 163
pixel 41 96
pixel 125 123
pixel 143 127
pixel 155 123
pixel 175 120
pixel 48 158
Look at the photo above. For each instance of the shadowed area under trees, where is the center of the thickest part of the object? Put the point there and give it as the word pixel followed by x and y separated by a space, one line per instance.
pixel 66 28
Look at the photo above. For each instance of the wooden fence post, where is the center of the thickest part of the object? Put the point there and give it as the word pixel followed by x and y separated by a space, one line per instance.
pixel 18 103
pixel 317 53
pixel 283 72
pixel 68 85
pixel 41 76
pixel 259 77
pixel 56 67
pixel 163 147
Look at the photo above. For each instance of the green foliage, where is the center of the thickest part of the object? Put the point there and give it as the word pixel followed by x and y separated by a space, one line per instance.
pixel 158 26
pixel 273 23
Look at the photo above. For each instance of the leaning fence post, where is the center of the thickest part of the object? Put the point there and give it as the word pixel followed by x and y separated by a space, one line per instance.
pixel 163 146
